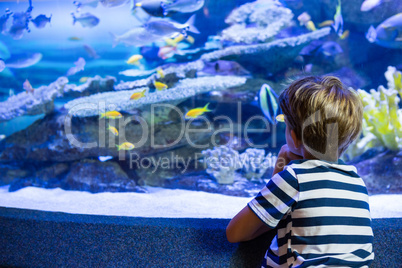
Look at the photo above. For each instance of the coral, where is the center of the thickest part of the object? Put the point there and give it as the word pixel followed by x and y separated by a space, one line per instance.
pixel 381 117
pixel 267 18
pixel 222 162
pixel 41 100
pixel 38 102
pixel 272 57
pixel 120 101
pixel 394 78
pixel 255 163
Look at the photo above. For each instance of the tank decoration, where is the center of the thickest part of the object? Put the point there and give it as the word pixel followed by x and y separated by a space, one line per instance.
pixel 256 22
pixel 255 163
pixel 222 162
pixel 183 89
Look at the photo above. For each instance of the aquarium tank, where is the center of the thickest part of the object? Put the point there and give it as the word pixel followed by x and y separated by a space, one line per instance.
pixel 132 96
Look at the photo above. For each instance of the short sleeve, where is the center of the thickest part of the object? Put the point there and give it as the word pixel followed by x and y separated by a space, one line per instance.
pixel 276 198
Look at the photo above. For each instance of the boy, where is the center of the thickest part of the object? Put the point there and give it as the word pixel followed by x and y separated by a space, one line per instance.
pixel 318 204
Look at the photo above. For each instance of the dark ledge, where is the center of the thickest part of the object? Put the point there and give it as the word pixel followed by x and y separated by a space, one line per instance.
pixel 31 238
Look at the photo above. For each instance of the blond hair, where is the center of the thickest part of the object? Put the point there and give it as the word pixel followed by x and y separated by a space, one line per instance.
pixel 323 113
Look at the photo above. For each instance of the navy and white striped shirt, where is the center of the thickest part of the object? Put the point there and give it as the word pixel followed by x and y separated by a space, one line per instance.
pixel 322 214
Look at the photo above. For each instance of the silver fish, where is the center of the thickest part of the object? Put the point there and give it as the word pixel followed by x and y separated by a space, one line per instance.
pixel 135 37
pixel 165 28
pixel 86 20
pixel 23 61
pixel 183 6
pixel 368 5
pixel 388 33
pixel 79 66
pixel 41 20
pixel 152 7
pixel 113 3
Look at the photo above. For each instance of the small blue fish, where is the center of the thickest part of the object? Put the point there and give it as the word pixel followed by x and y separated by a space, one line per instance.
pixel 268 101
pixel 86 20
pixel 91 52
pixel 41 20
pixel 183 6
pixel 388 33
pixel 3 21
pixel 79 66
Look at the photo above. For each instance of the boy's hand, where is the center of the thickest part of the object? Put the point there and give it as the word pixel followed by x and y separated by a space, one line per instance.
pixel 284 158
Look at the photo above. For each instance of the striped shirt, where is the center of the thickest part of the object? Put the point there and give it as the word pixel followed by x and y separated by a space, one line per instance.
pixel 321 213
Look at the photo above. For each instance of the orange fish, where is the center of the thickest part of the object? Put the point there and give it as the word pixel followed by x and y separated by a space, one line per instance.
pixel 138 95
pixel 196 112
pixel 112 115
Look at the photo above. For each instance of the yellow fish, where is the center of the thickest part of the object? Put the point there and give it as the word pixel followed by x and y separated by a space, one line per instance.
pixel 159 71
pixel 159 85
pixel 113 130
pixel 280 118
pixel 84 79
pixel 173 42
pixel 344 35
pixel 196 112
pixel 190 39
pixel 310 25
pixel 138 95
pixel 134 60
pixel 74 38
pixel 125 146
pixel 326 23
pixel 111 115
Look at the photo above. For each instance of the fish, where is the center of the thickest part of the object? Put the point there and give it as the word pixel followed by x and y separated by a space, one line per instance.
pixel 2 137
pixel 86 20
pixel 268 101
pixel 111 115
pixel 19 25
pixel 23 60
pixel 326 23
pixel 344 35
pixel 74 38
pixel 368 5
pixel 2 65
pixel 388 33
pixel 91 52
pixel 182 6
pixel 79 66
pixel 125 146
pixel 3 21
pixel 305 19
pixel 152 7
pixel 89 3
pixel 160 72
pixel 113 3
pixel 105 158
pixel 223 67
pixel 196 112
pixel 138 95
pixel 138 37
pixel 135 59
pixel 165 28
pixel 159 85
pixel 280 118
pixel 83 79
pixel 329 49
pixel 338 20
pixel 137 73
pixel 311 26
pixel 113 130
pixel 166 52
pixel 27 87
pixel 41 21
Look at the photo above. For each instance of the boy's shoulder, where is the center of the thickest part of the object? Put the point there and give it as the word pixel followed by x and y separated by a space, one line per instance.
pixel 305 166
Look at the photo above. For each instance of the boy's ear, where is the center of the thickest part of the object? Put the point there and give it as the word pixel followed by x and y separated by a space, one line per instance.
pixel 296 141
